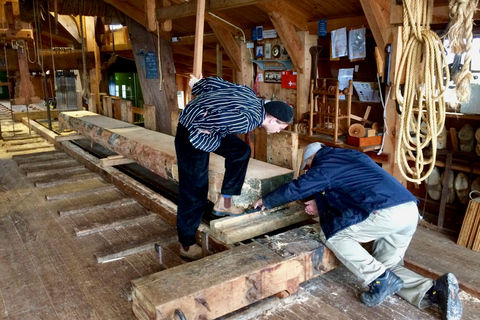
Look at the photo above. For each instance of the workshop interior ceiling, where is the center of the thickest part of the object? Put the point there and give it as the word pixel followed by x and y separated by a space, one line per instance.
pixel 242 14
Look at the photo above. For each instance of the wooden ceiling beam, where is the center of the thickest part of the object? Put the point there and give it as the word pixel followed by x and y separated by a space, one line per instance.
pixel 288 11
pixel 128 8
pixel 287 33
pixel 208 55
pixel 228 42
pixel 189 9
pixel 378 20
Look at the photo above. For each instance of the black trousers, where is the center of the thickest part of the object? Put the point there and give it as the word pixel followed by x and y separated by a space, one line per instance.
pixel 193 179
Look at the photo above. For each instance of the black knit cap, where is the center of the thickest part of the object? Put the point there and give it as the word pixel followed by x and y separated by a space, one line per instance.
pixel 280 110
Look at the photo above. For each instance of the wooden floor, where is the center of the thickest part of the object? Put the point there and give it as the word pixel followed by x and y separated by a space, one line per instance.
pixel 50 248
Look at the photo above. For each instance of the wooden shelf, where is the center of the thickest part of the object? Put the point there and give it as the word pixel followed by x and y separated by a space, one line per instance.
pixel 462 116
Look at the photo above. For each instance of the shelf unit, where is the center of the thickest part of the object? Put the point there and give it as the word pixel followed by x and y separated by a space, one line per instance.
pixel 286 64
pixel 328 118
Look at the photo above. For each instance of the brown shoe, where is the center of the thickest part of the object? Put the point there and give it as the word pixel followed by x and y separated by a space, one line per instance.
pixel 194 252
pixel 220 211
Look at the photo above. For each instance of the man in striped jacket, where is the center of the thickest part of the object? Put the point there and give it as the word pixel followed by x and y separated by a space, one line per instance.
pixel 210 123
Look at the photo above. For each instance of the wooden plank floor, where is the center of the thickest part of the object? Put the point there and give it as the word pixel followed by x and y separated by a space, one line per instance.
pixel 48 272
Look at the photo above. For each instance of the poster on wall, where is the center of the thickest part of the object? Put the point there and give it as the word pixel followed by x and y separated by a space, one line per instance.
pixel 151 65
pixel 339 43
pixel 356 44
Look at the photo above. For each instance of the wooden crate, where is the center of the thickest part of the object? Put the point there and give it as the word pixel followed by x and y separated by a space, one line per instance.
pixel 469 236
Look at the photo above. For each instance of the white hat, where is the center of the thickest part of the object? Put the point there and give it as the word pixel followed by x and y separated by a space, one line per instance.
pixel 310 150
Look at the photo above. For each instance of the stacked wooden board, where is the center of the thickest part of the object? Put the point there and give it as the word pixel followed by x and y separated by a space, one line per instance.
pixel 469 236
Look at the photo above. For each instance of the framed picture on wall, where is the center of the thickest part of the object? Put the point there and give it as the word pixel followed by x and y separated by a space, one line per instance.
pixel 273 76
pixel 259 51
pixel 268 50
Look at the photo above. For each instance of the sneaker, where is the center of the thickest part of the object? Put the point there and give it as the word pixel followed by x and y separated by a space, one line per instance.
pixel 445 295
pixel 220 211
pixel 194 252
pixel 388 283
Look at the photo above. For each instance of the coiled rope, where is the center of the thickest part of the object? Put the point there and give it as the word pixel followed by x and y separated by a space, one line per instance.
pixel 460 37
pixel 422 101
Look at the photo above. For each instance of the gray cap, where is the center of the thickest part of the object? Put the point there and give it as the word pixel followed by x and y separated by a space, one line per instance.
pixel 310 150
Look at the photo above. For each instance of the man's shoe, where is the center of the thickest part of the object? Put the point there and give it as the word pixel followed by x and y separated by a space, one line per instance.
pixel 220 211
pixel 385 285
pixel 194 252
pixel 445 295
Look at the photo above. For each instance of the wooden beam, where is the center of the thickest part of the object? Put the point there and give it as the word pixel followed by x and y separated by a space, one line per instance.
pixel 208 55
pixel 12 34
pixel 188 9
pixel 378 21
pixel 228 43
pixel 198 49
pixel 288 11
pixel 70 24
pixel 290 39
pixel 69 137
pixel 243 275
pixel 117 160
pixel 130 9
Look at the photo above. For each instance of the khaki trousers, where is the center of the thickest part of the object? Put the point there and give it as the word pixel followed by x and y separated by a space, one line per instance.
pixel 391 231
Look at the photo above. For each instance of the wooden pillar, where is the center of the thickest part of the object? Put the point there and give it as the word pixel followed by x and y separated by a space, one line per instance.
pixel 198 49
pixel 164 100
pixel 245 74
pixel 219 57
pixel 95 76
pixel 26 90
pixel 392 117
pixel 303 78
pixel 149 117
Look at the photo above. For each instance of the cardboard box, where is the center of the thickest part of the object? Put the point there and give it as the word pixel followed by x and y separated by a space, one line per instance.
pixel 365 141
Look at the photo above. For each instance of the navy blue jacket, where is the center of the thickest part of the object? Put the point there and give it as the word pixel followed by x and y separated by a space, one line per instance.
pixel 347 186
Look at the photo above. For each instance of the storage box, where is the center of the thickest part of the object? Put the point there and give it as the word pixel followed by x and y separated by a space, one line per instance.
pixel 365 141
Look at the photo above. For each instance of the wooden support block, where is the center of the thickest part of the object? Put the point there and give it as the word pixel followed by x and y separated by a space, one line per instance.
pixel 115 161
pixel 64 171
pixel 243 275
pixel 69 137
pixel 70 179
pixel 114 204
pixel 282 149
pixel 234 229
pixel 80 193
pixel 149 117
pixel 99 227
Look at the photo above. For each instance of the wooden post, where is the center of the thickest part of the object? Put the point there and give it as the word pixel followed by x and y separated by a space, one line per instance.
pixel 95 72
pixel 126 111
pixel 219 57
pixel 149 117
pixel 198 50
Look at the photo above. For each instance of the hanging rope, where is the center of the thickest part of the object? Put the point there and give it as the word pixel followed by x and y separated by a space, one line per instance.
pixel 160 74
pixel 460 36
pixel 422 100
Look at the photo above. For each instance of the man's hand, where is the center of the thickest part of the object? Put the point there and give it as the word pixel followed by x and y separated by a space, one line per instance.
pixel 259 203
pixel 193 80
pixel 311 208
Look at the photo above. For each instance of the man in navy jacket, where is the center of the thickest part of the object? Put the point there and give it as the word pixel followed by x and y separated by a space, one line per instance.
pixel 359 202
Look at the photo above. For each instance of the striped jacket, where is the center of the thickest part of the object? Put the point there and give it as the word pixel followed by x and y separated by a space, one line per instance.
pixel 220 108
